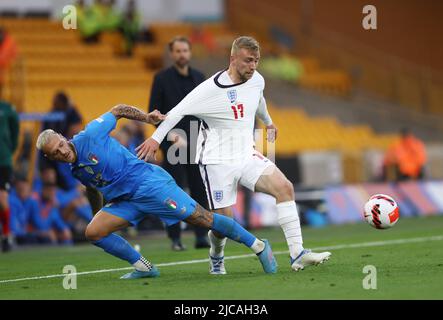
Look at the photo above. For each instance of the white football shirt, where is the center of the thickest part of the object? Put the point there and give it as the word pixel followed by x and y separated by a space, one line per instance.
pixel 228 112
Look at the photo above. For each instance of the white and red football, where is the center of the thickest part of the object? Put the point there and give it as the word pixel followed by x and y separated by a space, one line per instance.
pixel 381 211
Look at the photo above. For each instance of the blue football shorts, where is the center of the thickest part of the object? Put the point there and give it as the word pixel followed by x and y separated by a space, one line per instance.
pixel 158 195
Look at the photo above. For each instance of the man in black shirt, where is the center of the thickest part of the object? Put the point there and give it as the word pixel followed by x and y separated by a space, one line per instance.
pixel 169 88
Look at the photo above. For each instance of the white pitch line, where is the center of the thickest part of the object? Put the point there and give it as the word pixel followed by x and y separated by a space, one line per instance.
pixel 336 247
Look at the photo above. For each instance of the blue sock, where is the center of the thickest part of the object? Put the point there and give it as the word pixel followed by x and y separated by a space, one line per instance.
pixel 118 247
pixel 231 229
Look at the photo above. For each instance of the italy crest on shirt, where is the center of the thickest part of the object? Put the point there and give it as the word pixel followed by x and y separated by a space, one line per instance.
pixel 93 158
pixel 171 204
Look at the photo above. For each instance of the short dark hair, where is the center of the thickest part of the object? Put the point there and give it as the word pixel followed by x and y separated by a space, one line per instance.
pixel 178 39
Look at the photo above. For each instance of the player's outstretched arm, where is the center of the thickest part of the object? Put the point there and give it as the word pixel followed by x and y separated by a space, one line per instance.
pixel 195 103
pixel 132 113
pixel 95 199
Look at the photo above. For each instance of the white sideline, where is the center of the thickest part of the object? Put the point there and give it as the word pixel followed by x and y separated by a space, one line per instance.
pixel 336 247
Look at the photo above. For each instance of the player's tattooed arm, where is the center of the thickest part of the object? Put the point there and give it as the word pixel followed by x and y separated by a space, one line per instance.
pixel 95 199
pixel 132 113
pixel 200 217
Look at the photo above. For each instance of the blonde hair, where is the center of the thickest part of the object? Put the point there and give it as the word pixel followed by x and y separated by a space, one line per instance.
pixel 43 138
pixel 244 42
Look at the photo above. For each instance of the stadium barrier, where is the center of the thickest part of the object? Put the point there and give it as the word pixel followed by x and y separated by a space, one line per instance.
pixel 344 203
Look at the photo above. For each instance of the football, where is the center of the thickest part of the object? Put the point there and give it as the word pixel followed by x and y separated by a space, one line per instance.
pixel 381 211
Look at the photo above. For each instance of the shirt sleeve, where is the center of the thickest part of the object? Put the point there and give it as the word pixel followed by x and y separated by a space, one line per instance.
pixel 262 111
pixel 191 105
pixel 102 126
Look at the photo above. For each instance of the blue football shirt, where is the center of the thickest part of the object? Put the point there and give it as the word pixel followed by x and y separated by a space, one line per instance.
pixel 104 164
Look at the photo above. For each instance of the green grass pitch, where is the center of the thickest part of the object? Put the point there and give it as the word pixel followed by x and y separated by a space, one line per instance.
pixel 411 268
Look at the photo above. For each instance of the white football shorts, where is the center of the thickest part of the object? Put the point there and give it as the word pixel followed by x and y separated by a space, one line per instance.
pixel 221 180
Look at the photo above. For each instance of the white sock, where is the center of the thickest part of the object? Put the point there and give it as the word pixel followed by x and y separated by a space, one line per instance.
pixel 142 264
pixel 258 246
pixel 287 215
pixel 217 245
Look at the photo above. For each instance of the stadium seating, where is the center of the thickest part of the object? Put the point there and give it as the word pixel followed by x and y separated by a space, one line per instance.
pixel 56 59
pixel 95 79
pixel 299 132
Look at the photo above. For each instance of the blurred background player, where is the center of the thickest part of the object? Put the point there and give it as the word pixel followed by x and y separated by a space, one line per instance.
pixel 9 129
pixel 170 86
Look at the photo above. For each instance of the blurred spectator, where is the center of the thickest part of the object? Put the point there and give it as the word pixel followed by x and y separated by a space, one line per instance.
pixel 88 22
pixel 72 122
pixel 23 208
pixel 35 217
pixel 8 52
pixel 111 18
pixel 68 127
pixel 49 225
pixel 9 129
pixel 76 210
pixel 130 27
pixel 100 17
pixel 407 156
pixel 73 204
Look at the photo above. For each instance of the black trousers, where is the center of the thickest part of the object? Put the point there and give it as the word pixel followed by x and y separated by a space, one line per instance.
pixel 188 175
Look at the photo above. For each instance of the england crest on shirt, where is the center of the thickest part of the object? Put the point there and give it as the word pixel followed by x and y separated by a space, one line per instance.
pixel 232 95
pixel 218 195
